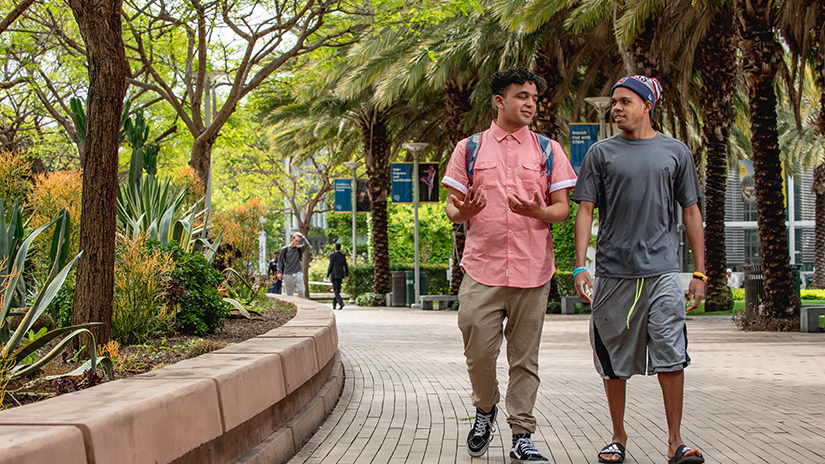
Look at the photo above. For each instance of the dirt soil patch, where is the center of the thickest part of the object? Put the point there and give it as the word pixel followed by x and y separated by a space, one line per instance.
pixel 136 359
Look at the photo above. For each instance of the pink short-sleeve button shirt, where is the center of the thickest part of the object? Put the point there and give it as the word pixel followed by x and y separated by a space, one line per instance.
pixel 502 248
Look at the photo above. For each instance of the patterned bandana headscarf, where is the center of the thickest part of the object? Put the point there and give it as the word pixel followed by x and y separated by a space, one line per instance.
pixel 646 87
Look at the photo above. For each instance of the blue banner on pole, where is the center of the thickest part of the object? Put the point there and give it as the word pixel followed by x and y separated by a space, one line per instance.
pixel 402 187
pixel 343 195
pixel 582 136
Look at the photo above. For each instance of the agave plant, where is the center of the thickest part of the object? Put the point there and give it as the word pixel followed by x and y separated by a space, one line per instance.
pixel 10 239
pixel 245 290
pixel 16 349
pixel 151 209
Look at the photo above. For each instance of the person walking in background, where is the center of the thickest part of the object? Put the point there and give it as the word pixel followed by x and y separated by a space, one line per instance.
pixel 338 271
pixel 289 264
pixel 275 286
pixel 733 279
pixel 637 325
pixel 508 256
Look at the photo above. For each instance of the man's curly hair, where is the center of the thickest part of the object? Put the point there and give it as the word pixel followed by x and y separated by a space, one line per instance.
pixel 502 79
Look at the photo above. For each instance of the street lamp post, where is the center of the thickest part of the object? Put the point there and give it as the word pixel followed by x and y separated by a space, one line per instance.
pixel 602 104
pixel 353 165
pixel 414 148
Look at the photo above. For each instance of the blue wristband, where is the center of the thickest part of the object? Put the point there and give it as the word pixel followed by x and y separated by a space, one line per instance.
pixel 578 270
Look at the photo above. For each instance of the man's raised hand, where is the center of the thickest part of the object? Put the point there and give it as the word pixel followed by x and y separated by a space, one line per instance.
pixel 474 201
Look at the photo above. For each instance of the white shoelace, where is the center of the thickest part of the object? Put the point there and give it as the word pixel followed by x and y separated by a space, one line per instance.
pixel 525 447
pixel 482 423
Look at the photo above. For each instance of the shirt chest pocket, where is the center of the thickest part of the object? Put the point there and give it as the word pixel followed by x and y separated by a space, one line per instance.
pixel 484 174
pixel 532 172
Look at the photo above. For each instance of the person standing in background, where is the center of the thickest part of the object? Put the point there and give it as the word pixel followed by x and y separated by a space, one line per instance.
pixel 275 287
pixel 289 264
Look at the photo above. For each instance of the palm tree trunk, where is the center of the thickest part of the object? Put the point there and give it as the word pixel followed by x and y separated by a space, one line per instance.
pixel 819 172
pixel 546 120
pixel 717 55
pixel 377 157
pixel 761 58
pixel 457 98
pixel 819 241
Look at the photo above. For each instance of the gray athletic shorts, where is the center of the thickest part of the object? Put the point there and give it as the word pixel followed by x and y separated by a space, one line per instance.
pixel 638 326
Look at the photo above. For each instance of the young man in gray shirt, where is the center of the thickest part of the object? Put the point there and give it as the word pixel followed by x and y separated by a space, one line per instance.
pixel 638 321
pixel 289 264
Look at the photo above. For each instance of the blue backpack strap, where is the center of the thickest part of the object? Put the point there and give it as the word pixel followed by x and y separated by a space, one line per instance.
pixel 470 155
pixel 547 151
pixel 470 162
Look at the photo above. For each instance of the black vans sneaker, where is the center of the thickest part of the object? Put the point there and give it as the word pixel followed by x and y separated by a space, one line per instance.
pixel 483 428
pixel 524 451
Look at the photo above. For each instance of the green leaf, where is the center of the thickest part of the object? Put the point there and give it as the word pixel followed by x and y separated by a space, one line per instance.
pixel 238 306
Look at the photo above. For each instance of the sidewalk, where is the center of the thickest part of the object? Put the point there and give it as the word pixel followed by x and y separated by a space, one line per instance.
pixel 749 397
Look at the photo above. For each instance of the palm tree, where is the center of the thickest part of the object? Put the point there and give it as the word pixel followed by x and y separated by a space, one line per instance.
pixel 762 57
pixel 803 27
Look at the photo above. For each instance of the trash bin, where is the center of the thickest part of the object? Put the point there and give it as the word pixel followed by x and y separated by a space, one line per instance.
pixel 796 272
pixel 422 278
pixel 753 287
pixel 399 288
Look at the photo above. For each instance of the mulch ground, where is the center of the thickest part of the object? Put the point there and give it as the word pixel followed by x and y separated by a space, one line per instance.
pixel 137 359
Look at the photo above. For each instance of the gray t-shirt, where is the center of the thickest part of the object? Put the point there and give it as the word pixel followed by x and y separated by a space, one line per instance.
pixel 289 261
pixel 635 184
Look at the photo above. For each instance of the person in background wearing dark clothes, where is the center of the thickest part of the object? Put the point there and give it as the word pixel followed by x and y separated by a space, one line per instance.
pixel 273 274
pixel 338 271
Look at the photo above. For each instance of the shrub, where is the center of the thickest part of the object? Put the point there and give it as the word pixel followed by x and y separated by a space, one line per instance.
pixel 565 283
pixel 361 278
pixel 241 232
pixel 203 347
pixel 139 312
pixel 14 179
pixel 193 288
pixel 738 293
pixel 370 299
pixel 812 294
pixel 43 321
pixel 51 193
pixel 62 303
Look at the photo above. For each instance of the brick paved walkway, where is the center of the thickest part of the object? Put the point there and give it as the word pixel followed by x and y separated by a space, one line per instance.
pixel 750 397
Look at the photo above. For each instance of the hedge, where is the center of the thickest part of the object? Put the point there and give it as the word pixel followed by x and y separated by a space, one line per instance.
pixel 805 294
pixel 361 278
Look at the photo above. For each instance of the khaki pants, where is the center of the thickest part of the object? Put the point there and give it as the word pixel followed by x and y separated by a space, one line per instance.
pixel 481 315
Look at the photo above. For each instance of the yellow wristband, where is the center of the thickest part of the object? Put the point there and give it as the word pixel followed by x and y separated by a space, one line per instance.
pixel 700 276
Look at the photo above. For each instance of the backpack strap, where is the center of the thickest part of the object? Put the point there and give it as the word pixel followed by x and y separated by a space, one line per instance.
pixel 472 149
pixel 470 162
pixel 470 155
pixel 547 151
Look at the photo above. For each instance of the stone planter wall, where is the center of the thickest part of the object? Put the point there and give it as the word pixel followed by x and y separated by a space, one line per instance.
pixel 253 402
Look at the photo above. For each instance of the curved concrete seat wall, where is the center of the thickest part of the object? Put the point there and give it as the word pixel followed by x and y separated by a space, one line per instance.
pixel 255 401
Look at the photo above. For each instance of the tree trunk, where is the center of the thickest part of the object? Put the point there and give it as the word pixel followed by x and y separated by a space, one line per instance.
pixel 457 98
pixel 717 55
pixel 99 22
pixel 819 172
pixel 819 241
pixel 546 120
pixel 201 161
pixel 761 59
pixel 377 156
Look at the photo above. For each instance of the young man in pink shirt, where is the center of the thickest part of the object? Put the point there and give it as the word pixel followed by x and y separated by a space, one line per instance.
pixel 508 256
